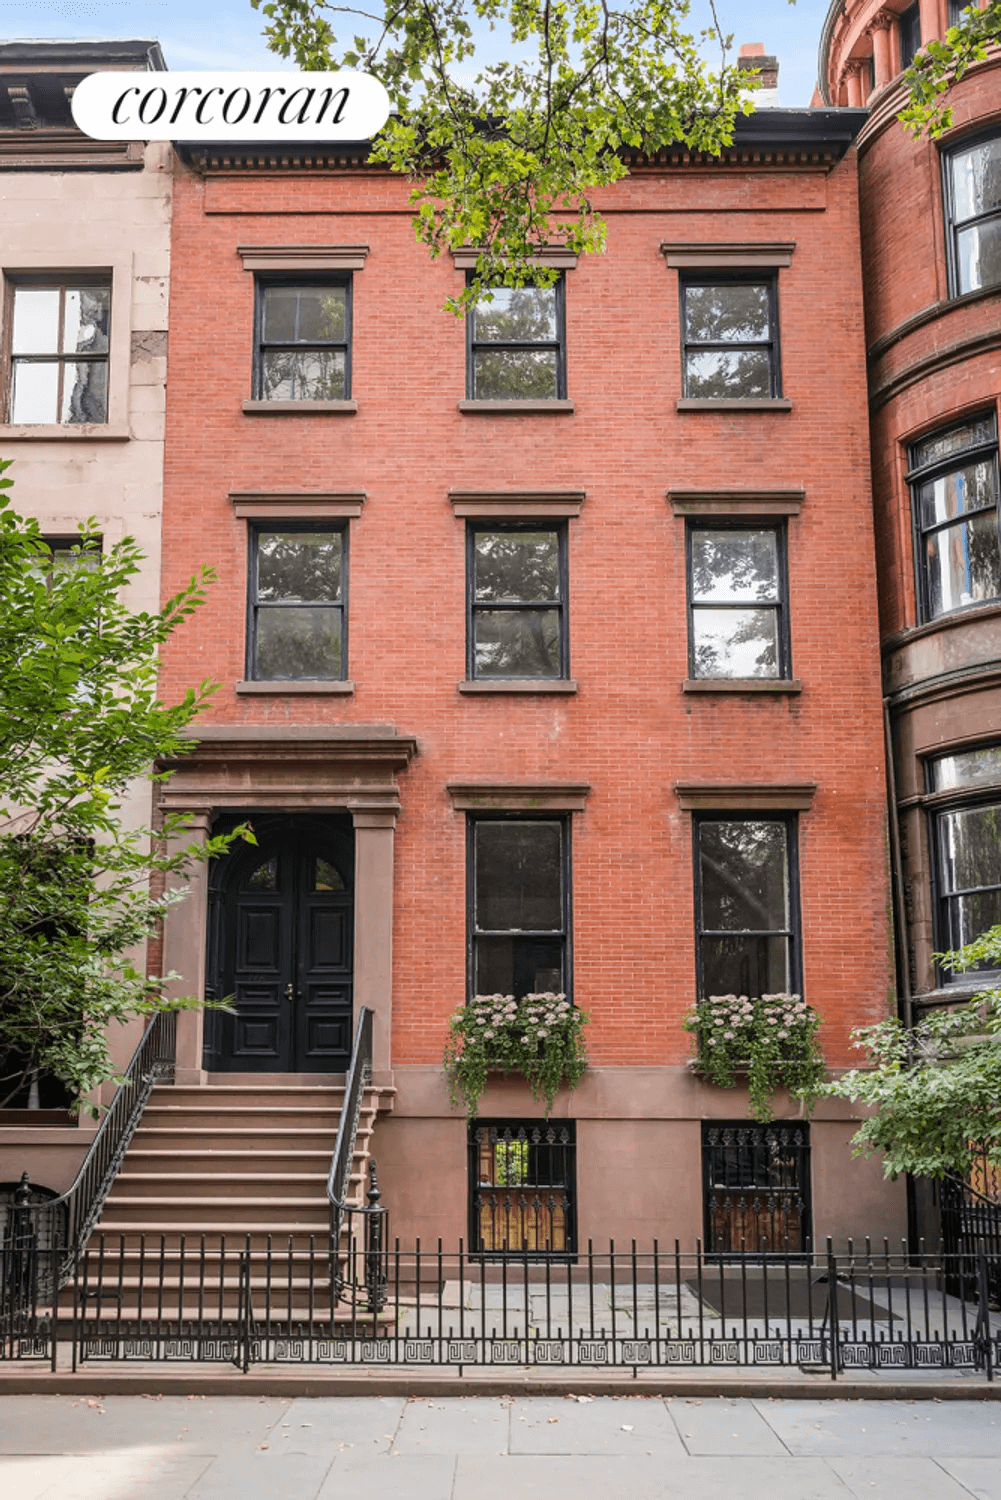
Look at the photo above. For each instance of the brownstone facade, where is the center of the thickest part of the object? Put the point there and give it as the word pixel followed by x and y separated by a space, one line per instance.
pixel 932 277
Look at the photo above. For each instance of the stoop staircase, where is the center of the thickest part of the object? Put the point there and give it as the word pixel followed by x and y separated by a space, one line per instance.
pixel 228 1167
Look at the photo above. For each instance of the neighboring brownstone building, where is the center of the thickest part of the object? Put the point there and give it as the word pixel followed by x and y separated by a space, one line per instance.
pixel 931 257
pixel 548 659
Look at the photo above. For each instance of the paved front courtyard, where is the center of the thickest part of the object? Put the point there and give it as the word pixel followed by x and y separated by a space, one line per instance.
pixel 496 1448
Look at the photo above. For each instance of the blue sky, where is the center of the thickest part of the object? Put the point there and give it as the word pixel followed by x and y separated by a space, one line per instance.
pixel 227 33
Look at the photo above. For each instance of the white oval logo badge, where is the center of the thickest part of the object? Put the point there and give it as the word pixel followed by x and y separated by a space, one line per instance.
pixel 342 106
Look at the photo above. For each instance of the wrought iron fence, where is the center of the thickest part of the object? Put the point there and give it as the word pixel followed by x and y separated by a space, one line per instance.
pixel 255 1300
pixel 53 1230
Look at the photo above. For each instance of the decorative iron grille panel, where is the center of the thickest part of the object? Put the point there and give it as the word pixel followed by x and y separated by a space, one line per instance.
pixel 756 1187
pixel 522 1188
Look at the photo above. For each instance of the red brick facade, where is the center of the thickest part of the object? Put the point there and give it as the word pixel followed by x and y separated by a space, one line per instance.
pixel 630 732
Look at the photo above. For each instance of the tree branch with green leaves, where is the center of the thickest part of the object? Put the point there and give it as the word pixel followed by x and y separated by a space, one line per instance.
pixel 934 1091
pixel 940 64
pixel 508 160
pixel 81 725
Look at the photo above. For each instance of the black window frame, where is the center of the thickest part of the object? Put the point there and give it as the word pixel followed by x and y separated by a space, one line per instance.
pixel 63 281
pixel 303 281
pixel 969 798
pixel 760 277
pixel 909 30
pixel 749 1136
pixel 473 932
pixel 936 469
pixel 254 530
pixel 781 606
pixel 794 932
pixel 559 528
pixel 559 344
pixel 953 228
pixel 956 8
pixel 568 1254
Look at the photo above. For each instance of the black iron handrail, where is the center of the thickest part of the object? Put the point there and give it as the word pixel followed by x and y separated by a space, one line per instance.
pixel 67 1221
pixel 344 1259
pixel 359 1075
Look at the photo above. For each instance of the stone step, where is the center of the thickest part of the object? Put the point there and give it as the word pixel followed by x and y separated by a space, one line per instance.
pixel 278 1185
pixel 275 1159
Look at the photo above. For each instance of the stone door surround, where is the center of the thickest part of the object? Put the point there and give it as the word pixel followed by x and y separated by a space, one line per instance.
pixel 248 768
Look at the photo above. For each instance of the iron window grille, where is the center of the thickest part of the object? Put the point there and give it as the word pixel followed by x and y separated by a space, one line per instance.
pixel 518 902
pixel 57 350
pixel 954 492
pixel 910 34
pixel 730 337
pixel 303 339
pixel 756 1188
pixel 297 602
pixel 516 345
pixel 972 197
pixel 746 904
pixel 966 846
pixel 737 601
pixel 516 602
pixel 523 1188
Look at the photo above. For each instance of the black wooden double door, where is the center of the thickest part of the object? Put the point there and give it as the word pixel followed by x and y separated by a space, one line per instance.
pixel 285 956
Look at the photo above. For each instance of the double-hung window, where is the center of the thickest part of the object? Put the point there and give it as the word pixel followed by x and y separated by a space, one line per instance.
pixel 297 629
pixel 910 34
pixel 303 340
pixel 516 601
pixel 967 844
pixel 747 905
pixel 58 351
pixel 519 905
pixel 738 616
pixel 730 337
pixel 973 207
pixel 954 487
pixel 516 345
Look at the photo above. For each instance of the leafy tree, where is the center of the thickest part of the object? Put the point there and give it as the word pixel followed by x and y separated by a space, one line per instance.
pixel 942 63
pixel 935 1091
pixel 80 723
pixel 508 159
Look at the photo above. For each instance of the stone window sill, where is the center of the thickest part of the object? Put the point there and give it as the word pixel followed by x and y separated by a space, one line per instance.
pixel 516 408
pixel 712 403
pixel 300 408
pixel 341 689
pixel 519 685
pixel 63 432
pixel 742 685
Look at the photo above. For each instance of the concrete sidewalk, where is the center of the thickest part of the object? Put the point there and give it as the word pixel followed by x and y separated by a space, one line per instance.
pixel 495 1448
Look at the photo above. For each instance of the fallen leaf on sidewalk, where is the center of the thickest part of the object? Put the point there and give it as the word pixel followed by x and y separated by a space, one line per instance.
pixel 625 1428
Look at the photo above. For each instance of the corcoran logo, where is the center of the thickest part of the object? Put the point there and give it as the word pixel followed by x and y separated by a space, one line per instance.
pixel 273 106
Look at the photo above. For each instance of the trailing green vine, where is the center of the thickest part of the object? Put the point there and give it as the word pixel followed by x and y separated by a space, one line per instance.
pixel 538 1037
pixel 772 1039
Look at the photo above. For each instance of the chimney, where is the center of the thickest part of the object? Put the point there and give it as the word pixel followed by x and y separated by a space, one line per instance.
pixel 752 58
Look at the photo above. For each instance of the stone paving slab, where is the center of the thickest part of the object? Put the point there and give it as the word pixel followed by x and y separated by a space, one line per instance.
pixel 712 1427
pixel 600 1426
pixel 416 1476
pixel 872 1427
pixel 579 1477
pixel 981 1476
pixel 267 1475
pixel 140 1475
pixel 894 1478
pixel 453 1426
pixel 90 1424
